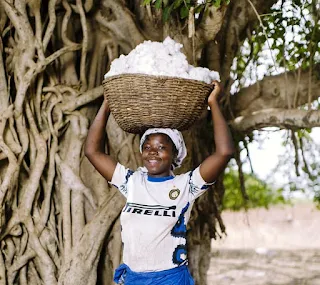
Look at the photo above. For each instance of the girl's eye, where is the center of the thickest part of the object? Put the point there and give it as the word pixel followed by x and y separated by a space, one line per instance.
pixel 146 147
pixel 162 147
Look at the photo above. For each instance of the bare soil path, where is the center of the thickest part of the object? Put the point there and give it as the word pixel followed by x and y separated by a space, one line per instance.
pixel 274 267
pixel 279 246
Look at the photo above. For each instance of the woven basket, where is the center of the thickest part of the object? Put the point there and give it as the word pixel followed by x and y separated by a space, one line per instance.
pixel 139 101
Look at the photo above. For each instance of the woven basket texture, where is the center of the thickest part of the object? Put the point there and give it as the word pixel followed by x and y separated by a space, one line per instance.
pixel 139 101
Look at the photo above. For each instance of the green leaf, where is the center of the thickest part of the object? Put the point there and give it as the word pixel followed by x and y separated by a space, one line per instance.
pixel 259 193
pixel 217 3
pixel 166 13
pixel 146 2
pixel 177 3
pixel 199 9
pixel 184 12
pixel 158 4
pixel 256 48
pixel 241 64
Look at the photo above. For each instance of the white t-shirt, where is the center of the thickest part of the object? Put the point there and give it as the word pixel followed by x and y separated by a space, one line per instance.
pixel 154 219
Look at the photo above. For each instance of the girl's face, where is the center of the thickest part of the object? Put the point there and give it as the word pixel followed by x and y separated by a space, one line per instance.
pixel 157 155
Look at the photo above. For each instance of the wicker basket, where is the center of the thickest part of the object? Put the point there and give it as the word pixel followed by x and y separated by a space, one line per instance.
pixel 139 101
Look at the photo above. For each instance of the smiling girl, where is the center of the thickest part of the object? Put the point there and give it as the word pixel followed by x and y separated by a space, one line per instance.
pixel 158 204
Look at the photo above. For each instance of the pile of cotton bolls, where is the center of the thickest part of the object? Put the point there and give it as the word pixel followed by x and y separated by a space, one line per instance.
pixel 161 59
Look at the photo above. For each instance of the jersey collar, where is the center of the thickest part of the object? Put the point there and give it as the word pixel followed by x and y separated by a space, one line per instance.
pixel 159 179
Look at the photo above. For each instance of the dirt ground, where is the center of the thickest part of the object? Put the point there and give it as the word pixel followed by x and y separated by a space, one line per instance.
pixel 276 246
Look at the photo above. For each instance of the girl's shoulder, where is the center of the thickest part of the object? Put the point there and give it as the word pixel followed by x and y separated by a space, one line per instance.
pixel 184 176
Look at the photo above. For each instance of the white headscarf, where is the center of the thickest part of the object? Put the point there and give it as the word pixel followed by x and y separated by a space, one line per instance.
pixel 176 138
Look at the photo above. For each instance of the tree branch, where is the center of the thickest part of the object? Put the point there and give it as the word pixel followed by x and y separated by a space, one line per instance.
pixel 47 269
pixel 83 99
pixel 84 50
pixel 20 22
pixel 4 96
pixel 21 261
pixel 82 266
pixel 271 91
pixel 45 209
pixel 11 171
pixel 51 24
pixel 10 174
pixel 2 270
pixel 239 20
pixel 121 24
pixel 282 118
pixel 211 23
pixel 79 129
pixel 74 182
pixel 37 168
pixel 36 69
pixel 65 21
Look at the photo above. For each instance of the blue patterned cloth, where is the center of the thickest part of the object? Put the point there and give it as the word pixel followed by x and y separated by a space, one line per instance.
pixel 175 276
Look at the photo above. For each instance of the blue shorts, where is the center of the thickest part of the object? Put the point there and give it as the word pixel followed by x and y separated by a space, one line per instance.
pixel 175 276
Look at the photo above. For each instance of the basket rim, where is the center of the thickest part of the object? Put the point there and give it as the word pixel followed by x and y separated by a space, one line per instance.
pixel 194 81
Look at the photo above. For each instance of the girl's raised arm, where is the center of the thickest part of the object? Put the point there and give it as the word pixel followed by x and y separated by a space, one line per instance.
pixel 213 165
pixel 94 147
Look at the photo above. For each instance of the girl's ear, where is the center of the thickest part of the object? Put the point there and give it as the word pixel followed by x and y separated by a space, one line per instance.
pixel 175 152
pixel 174 157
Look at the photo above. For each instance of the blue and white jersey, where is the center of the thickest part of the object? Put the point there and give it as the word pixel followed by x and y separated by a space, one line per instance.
pixel 155 216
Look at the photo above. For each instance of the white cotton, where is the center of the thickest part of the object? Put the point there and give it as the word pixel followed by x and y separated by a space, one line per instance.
pixel 160 59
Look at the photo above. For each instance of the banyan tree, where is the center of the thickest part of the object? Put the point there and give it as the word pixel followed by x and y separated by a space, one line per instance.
pixel 59 218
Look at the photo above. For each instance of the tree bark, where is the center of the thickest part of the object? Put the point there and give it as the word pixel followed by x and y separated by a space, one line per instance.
pixel 280 91
pixel 276 117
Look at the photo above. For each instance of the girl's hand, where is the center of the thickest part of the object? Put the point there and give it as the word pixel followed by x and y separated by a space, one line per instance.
pixel 213 97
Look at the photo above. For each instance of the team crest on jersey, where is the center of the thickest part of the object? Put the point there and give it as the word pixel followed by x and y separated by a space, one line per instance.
pixel 174 193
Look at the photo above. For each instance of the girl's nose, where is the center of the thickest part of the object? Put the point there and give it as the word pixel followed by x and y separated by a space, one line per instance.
pixel 153 150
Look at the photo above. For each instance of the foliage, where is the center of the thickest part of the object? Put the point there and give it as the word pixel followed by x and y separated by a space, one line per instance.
pixel 286 39
pixel 182 7
pixel 259 193
pixel 289 34
pixel 305 176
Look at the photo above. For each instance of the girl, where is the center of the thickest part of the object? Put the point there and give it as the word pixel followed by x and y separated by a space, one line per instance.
pixel 158 203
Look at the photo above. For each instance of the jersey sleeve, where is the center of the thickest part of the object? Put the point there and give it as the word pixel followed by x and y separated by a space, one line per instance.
pixel 120 178
pixel 197 185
